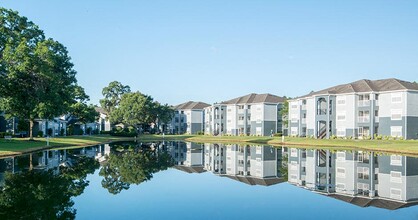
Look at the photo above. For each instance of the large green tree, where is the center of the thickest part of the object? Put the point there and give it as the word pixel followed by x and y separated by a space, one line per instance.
pixel 37 79
pixel 112 95
pixel 134 109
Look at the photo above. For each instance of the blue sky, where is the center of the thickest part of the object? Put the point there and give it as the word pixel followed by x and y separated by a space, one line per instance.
pixel 215 50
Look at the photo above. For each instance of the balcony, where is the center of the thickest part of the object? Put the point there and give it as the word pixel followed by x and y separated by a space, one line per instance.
pixel 303 120
pixel 376 119
pixel 363 103
pixel 363 119
pixel 321 112
pixel 303 107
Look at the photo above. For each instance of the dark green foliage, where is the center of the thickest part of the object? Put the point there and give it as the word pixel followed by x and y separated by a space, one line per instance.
pixel 129 164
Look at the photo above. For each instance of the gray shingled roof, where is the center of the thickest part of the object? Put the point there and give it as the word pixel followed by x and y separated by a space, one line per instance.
pixel 191 105
pixel 376 202
pixel 366 85
pixel 256 181
pixel 255 98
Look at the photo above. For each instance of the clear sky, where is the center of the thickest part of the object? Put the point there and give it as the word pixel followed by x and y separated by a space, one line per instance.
pixel 215 50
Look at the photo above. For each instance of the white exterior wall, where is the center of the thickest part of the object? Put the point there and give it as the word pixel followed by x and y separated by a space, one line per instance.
pixel 386 106
pixel 231 118
pixel 231 160
pixel 310 113
pixel 349 177
pixel 349 111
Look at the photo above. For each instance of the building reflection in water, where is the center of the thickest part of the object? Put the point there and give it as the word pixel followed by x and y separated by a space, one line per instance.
pixel 50 160
pixel 361 178
pixel 253 165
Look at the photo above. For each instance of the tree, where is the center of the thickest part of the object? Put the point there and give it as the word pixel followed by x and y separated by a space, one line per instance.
pixel 132 165
pixel 112 95
pixel 163 113
pixel 284 112
pixel 84 113
pixel 37 79
pixel 43 194
pixel 134 109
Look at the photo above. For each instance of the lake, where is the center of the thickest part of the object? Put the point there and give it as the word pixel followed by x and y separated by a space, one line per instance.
pixel 183 180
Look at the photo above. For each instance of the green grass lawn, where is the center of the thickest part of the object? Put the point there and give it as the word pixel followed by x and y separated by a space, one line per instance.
pixel 410 147
pixel 22 145
pixel 393 146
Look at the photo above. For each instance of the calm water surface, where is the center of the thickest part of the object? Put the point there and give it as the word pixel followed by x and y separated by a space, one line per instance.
pixel 178 180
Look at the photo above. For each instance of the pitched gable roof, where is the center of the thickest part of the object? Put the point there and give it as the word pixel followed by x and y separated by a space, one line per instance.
pixel 191 105
pixel 366 85
pixel 255 98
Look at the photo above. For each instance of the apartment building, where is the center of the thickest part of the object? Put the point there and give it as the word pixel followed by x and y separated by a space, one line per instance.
pixel 253 114
pixel 188 118
pixel 364 108
pixel 361 178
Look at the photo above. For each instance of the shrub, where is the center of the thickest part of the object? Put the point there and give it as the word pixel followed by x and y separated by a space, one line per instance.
pixel 2 134
pixel 200 133
pixel 62 132
pixel 40 133
pixel 279 134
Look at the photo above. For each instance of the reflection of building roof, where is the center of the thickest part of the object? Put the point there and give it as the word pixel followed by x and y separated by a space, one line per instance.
pixel 192 169
pixel 255 98
pixel 366 85
pixel 191 105
pixel 376 202
pixel 256 181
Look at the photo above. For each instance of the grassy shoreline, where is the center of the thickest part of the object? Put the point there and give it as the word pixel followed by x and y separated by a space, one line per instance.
pixel 18 146
pixel 21 146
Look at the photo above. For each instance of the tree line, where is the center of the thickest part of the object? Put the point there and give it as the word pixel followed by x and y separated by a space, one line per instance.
pixel 133 109
pixel 38 81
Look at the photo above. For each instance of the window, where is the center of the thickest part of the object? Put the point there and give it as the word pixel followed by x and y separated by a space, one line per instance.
pixel 341 156
pixel 395 194
pixel 240 107
pixel 340 172
pixel 396 114
pixel 294 106
pixel 341 100
pixel 395 177
pixel 341 116
pixel 294 118
pixel 396 160
pixel 396 97
pixel 341 132
pixel 340 186
pixel 294 130
pixel 293 166
pixel 363 173
pixel 396 131
pixel 362 186
pixel 229 110
pixel 293 152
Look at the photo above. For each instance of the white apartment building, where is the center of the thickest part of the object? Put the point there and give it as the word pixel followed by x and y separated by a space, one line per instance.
pixel 253 114
pixel 189 118
pixel 364 108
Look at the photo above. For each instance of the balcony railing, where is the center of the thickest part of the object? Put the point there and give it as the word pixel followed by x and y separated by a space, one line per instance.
pixel 303 107
pixel 363 119
pixel 376 119
pixel 376 102
pixel 321 112
pixel 362 103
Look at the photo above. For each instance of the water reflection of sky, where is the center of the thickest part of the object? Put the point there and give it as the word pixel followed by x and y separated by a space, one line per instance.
pixel 176 194
pixel 173 194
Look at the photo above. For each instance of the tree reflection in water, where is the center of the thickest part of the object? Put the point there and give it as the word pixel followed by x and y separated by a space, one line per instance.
pixel 132 164
pixel 43 194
